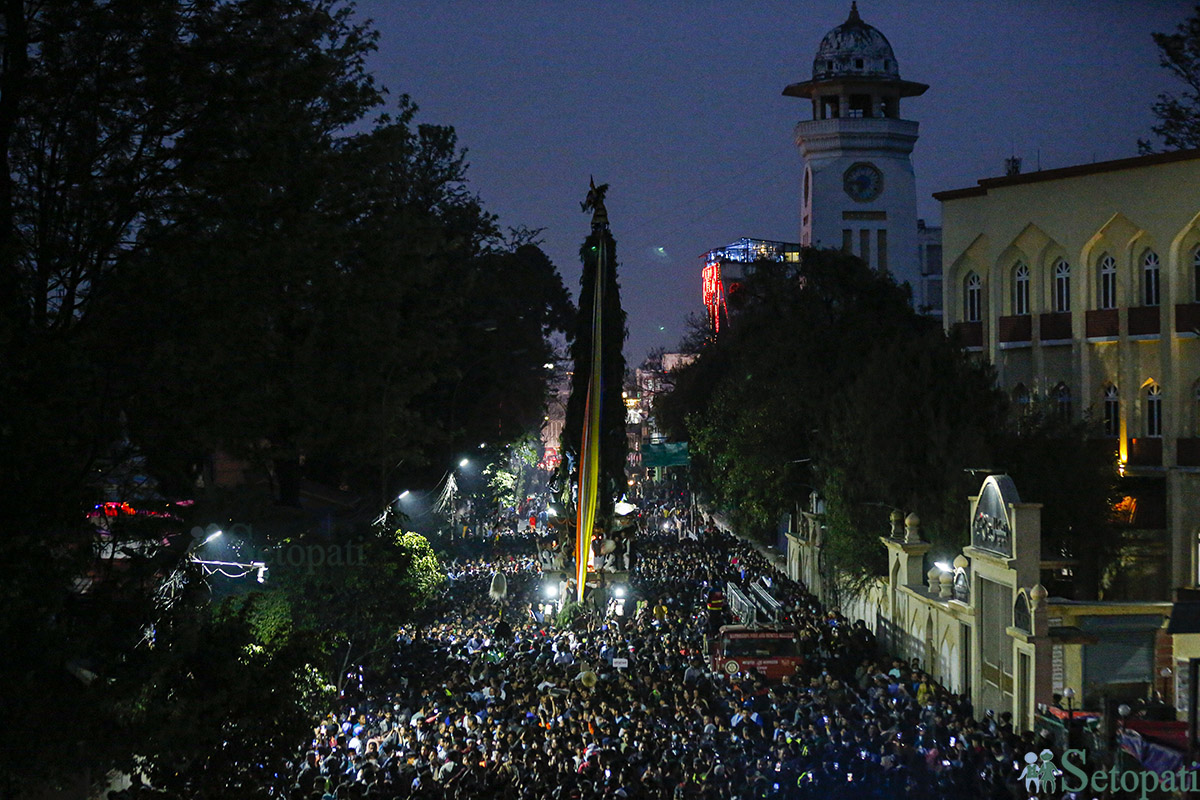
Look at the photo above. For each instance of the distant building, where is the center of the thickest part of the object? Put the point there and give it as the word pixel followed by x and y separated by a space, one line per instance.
pixel 858 190
pixel 1082 286
pixel 652 379
pixel 724 268
pixel 927 296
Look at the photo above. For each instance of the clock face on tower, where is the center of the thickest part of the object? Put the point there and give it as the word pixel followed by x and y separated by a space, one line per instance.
pixel 862 181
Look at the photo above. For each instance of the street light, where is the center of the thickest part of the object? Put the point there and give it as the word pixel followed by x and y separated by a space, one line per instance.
pixel 404 494
pixel 465 462
pixel 212 536
pixel 1069 696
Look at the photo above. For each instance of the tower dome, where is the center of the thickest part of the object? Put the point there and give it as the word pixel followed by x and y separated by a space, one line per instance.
pixel 855 48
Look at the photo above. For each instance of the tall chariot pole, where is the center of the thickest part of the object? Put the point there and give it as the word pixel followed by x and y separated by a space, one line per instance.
pixel 594 434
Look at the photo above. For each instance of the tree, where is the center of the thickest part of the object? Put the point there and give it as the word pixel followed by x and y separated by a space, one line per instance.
pixel 218 709
pixel 1071 469
pixel 220 246
pixel 210 238
pixel 355 598
pixel 511 477
pixel 144 673
pixel 130 124
pixel 1178 116
pixel 826 379
pixel 917 414
pixel 501 380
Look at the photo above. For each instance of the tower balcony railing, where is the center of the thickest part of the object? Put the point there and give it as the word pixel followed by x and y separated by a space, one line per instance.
pixel 866 125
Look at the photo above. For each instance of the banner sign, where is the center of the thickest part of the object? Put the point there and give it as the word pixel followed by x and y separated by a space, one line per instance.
pixel 668 454
pixel 991 529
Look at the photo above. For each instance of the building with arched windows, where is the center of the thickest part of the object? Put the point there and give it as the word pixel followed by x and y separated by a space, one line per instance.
pixel 1082 286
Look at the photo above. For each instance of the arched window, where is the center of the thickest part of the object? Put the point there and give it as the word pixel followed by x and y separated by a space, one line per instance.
pixel 1196 275
pixel 1154 410
pixel 1112 411
pixel 1150 278
pixel 1020 303
pixel 1062 286
pixel 1062 401
pixel 973 298
pixel 1021 617
pixel 1106 296
pixel 1196 409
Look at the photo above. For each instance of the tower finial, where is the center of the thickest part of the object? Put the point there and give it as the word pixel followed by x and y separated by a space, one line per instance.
pixel 854 17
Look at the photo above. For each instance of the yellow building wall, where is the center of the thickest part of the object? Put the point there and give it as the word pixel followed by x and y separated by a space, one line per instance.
pixel 1121 209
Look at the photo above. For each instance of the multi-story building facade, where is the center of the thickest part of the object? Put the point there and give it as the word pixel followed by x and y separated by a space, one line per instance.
pixel 1082 286
pixel 724 268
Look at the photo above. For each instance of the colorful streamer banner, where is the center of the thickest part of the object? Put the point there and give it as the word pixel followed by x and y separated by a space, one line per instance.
pixel 589 463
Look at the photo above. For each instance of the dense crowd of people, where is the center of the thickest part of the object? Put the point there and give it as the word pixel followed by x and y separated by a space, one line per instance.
pixel 504 700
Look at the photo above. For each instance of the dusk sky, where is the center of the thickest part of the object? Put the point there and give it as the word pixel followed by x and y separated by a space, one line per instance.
pixel 677 106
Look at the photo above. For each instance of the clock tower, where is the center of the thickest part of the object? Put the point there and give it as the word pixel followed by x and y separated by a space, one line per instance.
pixel 857 190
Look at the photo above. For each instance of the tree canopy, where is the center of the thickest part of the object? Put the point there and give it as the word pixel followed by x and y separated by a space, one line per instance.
pixel 826 380
pixel 217 241
pixel 1178 115
pixel 219 234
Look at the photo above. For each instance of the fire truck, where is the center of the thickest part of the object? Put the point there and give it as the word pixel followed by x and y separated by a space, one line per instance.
pixel 758 641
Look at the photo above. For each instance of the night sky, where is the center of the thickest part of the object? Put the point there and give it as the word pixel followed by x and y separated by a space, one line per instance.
pixel 678 107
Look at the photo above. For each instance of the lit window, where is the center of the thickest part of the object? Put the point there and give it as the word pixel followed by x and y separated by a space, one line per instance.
pixel 973 298
pixel 1021 290
pixel 1062 286
pixel 1150 278
pixel 1112 411
pixel 1154 410
pixel 1108 282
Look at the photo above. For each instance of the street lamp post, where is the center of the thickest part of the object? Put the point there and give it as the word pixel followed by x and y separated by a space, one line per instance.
pixel 1069 696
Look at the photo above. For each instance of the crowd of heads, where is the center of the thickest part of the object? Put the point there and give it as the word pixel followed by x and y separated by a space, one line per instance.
pixel 496 700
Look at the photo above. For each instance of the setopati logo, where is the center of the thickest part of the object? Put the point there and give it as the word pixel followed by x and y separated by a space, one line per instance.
pixel 1041 776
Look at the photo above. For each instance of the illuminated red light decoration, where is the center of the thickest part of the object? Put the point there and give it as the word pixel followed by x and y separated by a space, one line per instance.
pixel 551 459
pixel 714 294
pixel 117 509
